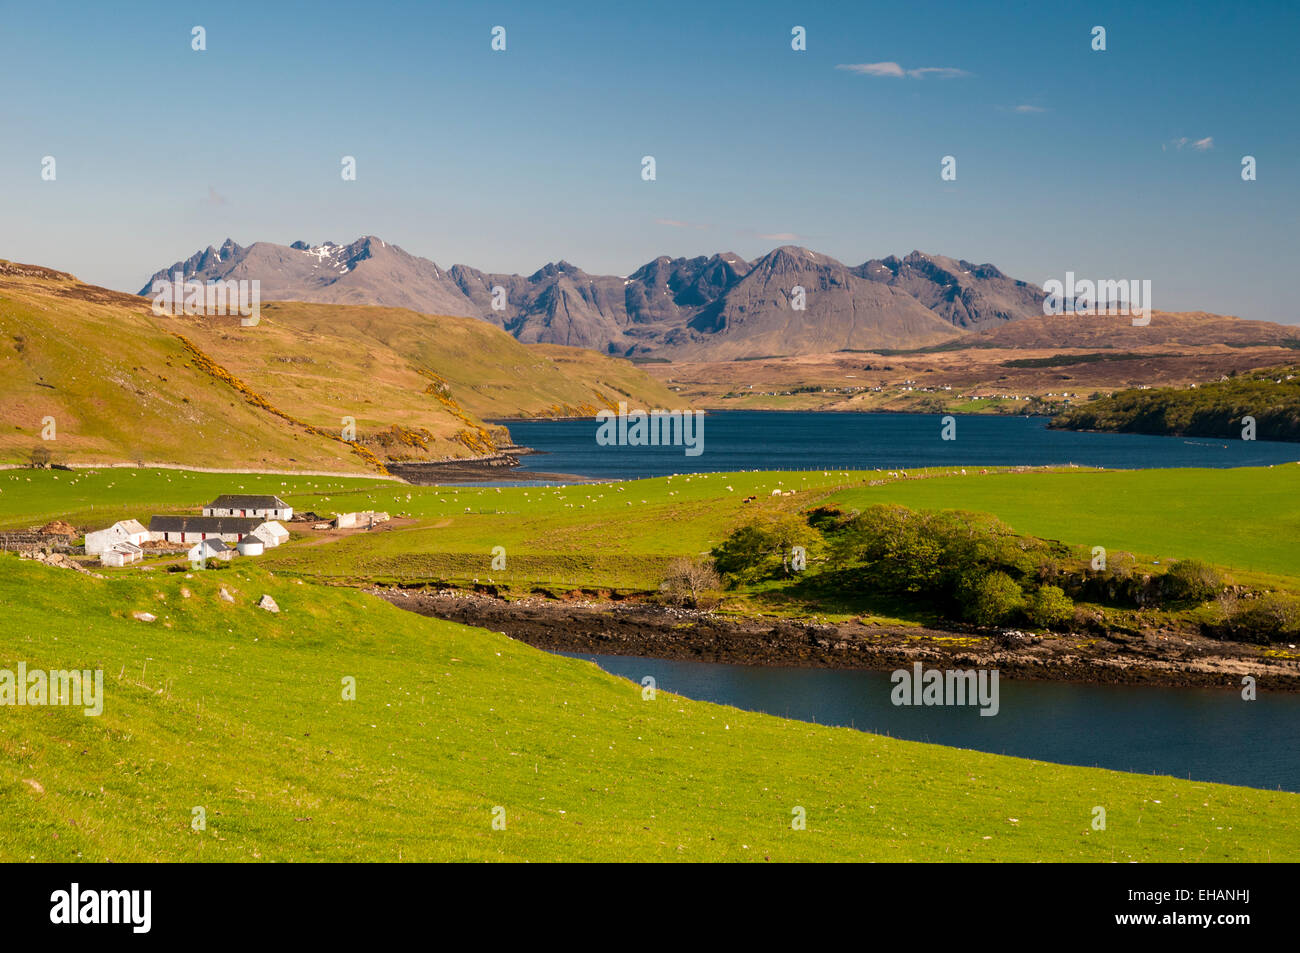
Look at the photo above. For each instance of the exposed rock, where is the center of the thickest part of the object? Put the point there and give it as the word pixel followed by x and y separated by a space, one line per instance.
pixel 719 307
pixel 267 603
pixel 143 616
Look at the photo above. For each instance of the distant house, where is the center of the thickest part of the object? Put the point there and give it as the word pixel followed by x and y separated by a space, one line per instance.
pixel 210 549
pixel 125 531
pixel 271 533
pixel 121 554
pixel 264 507
pixel 195 529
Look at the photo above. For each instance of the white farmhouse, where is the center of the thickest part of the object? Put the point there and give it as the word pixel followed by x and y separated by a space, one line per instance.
pixel 263 507
pixel 125 531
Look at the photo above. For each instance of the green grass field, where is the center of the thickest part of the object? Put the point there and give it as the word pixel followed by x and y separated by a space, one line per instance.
pixel 622 535
pixel 226 707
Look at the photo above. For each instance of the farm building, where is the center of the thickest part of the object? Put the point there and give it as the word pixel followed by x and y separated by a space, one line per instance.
pixel 264 507
pixel 121 554
pixel 126 531
pixel 271 533
pixel 210 549
pixel 363 520
pixel 250 546
pixel 195 529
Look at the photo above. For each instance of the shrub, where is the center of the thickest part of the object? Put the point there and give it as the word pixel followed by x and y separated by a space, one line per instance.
pixel 993 598
pixel 1273 617
pixel 1049 607
pixel 1190 580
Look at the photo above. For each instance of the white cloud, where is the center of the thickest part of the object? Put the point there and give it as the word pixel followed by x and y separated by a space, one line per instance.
pixel 1200 145
pixel 780 237
pixel 897 71
pixel 1030 109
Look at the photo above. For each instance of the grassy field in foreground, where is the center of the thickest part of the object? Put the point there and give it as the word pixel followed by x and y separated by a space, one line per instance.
pixel 226 707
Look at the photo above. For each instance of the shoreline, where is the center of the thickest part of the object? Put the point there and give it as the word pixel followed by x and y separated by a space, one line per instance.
pixel 588 626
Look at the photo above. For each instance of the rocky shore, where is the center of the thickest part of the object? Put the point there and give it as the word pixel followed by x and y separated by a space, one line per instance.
pixel 591 625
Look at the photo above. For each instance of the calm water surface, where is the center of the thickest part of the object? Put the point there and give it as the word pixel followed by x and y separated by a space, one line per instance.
pixel 753 440
pixel 1202 734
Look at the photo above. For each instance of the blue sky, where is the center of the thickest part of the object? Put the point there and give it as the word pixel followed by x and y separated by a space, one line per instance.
pixel 1067 159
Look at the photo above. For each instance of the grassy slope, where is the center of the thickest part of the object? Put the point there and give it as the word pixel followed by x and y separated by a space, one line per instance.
pixel 365 363
pixel 622 534
pixel 239 711
pixel 122 386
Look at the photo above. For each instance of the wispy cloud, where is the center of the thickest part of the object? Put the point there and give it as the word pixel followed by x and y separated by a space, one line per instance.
pixel 1200 145
pixel 780 236
pixel 897 71
pixel 1029 109
pixel 214 197
pixel 674 223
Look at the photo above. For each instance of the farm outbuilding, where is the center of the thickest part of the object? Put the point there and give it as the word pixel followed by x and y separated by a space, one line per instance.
pixel 271 533
pixel 261 507
pixel 195 529
pixel 121 554
pixel 125 531
pixel 363 520
pixel 210 549
pixel 250 546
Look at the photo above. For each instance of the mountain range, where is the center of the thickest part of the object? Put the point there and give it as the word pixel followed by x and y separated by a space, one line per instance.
pixel 718 307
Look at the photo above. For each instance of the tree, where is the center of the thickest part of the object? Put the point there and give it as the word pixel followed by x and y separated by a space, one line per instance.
pixel 994 598
pixel 40 456
pixel 759 549
pixel 1049 607
pixel 688 581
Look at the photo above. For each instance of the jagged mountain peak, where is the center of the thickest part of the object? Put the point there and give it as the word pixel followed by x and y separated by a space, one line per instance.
pixel 718 306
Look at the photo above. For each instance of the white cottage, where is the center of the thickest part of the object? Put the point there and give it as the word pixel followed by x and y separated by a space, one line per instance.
pixel 261 507
pixel 250 546
pixel 125 531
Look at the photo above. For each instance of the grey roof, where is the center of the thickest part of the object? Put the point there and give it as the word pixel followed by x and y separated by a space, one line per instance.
pixel 204 524
pixel 216 545
pixel 239 501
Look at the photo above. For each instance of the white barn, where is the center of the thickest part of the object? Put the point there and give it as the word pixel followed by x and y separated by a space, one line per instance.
pixel 124 531
pixel 121 554
pixel 271 534
pixel 262 507
pixel 250 545
pixel 195 529
pixel 210 549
